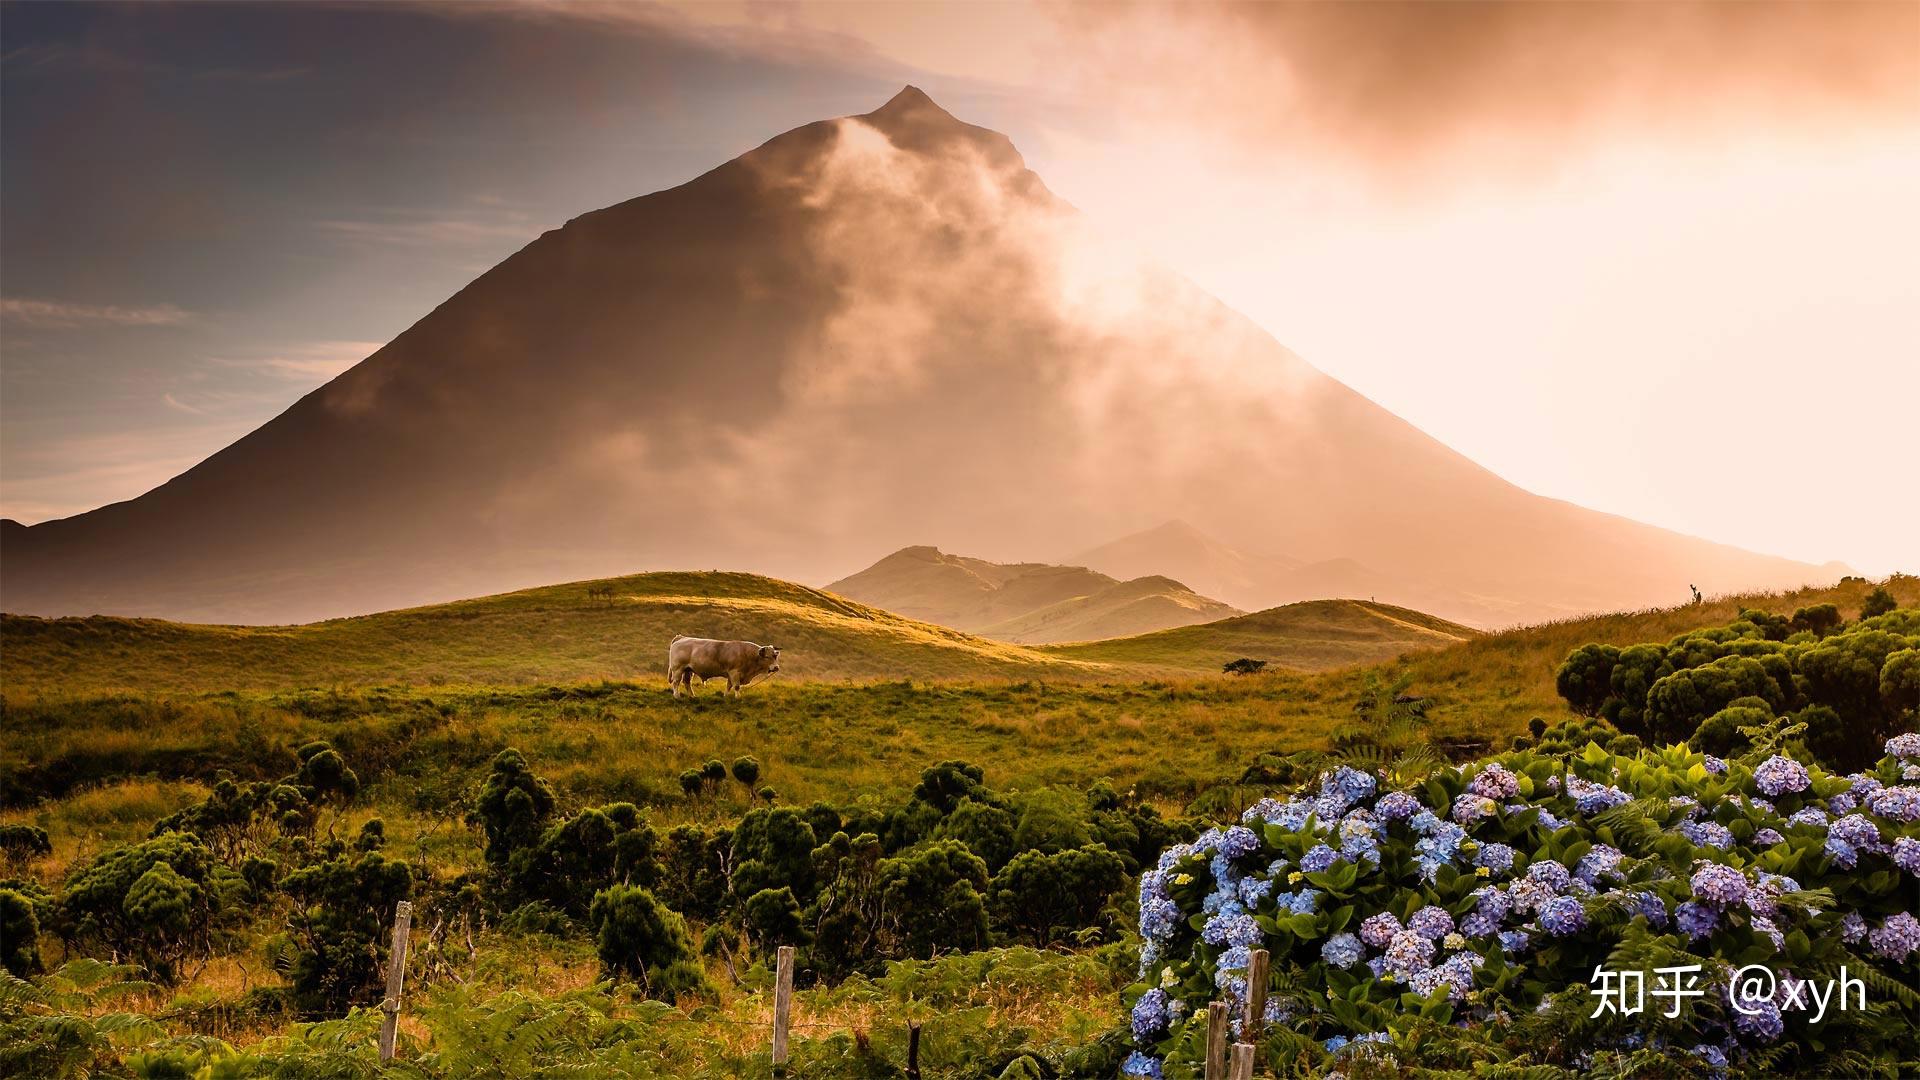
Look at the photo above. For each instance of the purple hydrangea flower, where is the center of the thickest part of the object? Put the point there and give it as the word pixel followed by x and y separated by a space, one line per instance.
pixel 1601 861
pixel 1650 905
pixel 1378 930
pixel 1707 834
pixel 1810 815
pixel 1760 1020
pixel 1897 938
pixel 1768 838
pixel 1906 855
pixel 1468 809
pixel 1343 951
pixel 1843 803
pixel 1477 924
pixel 1496 857
pixel 1778 775
pixel 1592 798
pixel 1841 852
pixel 1493 903
pixel 1695 919
pixel 1150 1015
pixel 1720 885
pixel 1853 928
pixel 1904 746
pixel 1551 874
pixel 1495 782
pixel 1856 831
pixel 1237 841
pixel 1431 922
pixel 1408 952
pixel 1715 1057
pixel 1396 806
pixel 1318 859
pixel 1714 765
pixel 1763 925
pixel 1900 803
pixel 1563 915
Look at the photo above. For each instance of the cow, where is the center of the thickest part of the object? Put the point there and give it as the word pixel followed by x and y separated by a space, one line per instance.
pixel 739 662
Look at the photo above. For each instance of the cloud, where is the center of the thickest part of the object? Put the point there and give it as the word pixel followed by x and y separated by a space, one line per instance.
pixel 59 314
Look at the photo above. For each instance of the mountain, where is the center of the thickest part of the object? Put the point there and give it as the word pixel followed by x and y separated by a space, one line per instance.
pixel 865 331
pixel 1030 603
pixel 1179 549
pixel 1311 636
pixel 546 635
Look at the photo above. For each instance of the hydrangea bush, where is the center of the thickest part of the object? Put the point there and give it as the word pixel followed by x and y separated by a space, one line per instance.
pixel 1494 890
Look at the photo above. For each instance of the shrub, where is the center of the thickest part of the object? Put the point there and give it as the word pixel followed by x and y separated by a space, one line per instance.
pixel 713 771
pixel 641 939
pixel 1720 733
pixel 693 875
pixel 155 902
pixel 746 770
pixel 1586 678
pixel 576 858
pixel 1817 619
pixel 22 844
pixel 513 807
pixel 772 917
pixel 930 899
pixel 773 848
pixel 19 934
pixel 1051 820
pixel 339 929
pixel 943 786
pixel 986 830
pixel 1042 899
pixel 1878 603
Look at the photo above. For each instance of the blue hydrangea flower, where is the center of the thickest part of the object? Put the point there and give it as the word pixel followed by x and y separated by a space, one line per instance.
pixel 1238 841
pixel 1763 925
pixel 1768 838
pixel 1720 885
pixel 1343 951
pixel 1424 822
pixel 1808 815
pixel 1843 803
pixel 1655 909
pixel 1592 798
pixel 1761 1020
pixel 1514 941
pixel 1158 918
pixel 1696 919
pixel 1143 1064
pixel 1335 1044
pixel 1779 775
pixel 1348 783
pixel 1150 1015
pixel 1477 924
pixel 1712 1055
pixel 1563 915
pixel 1842 853
pixel 1361 848
pixel 1714 765
pixel 1492 902
pixel 1235 928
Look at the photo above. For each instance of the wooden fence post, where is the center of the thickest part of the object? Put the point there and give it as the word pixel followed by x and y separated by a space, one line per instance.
pixel 1217 1041
pixel 396 978
pixel 1242 1061
pixel 782 1002
pixel 1256 1013
pixel 913 1050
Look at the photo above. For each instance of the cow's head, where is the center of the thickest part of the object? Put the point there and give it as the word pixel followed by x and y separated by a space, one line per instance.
pixel 769 659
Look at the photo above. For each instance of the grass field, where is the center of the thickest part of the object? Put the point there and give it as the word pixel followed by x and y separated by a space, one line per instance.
pixel 1315 635
pixel 108 725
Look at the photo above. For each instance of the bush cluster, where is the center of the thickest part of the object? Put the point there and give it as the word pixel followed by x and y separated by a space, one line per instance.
pixel 1851 686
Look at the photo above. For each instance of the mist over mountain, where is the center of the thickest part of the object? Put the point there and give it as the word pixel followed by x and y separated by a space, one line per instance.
pixel 866 332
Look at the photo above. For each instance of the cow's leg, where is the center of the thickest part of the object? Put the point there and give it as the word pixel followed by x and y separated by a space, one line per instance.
pixel 733 684
pixel 674 679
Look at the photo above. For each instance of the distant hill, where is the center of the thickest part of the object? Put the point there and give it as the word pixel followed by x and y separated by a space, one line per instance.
pixel 1029 603
pixel 552 634
pixel 1310 636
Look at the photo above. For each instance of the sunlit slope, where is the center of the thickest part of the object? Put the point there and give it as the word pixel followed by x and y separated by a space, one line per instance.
pixel 551 634
pixel 1311 636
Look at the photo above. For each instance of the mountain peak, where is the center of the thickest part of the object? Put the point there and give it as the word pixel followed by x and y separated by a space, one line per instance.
pixel 910 99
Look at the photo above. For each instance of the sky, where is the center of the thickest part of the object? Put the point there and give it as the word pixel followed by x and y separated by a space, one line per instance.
pixel 1656 259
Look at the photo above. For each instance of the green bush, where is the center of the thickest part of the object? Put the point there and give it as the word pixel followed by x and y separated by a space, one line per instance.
pixel 1878 603
pixel 156 902
pixel 986 830
pixel 513 807
pixel 340 928
pixel 19 934
pixel 1044 898
pixel 643 940
pixel 931 900
pixel 746 770
pixel 772 917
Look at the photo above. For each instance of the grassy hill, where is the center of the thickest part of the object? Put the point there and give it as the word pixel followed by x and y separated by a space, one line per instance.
pixel 544 635
pixel 1310 636
pixel 1029 603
